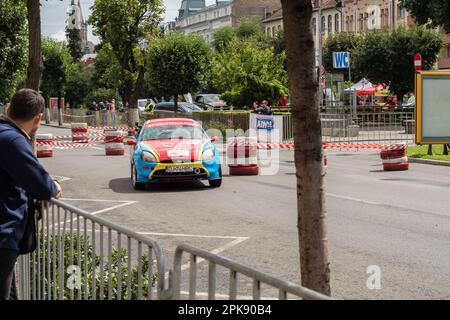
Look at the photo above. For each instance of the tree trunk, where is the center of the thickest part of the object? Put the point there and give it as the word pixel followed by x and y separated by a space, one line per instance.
pixel 303 80
pixel 175 104
pixel 34 45
pixel 133 112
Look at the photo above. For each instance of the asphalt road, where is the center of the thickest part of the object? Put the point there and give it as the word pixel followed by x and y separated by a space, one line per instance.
pixel 397 221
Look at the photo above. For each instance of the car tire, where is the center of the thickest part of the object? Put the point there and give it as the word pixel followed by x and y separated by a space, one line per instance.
pixel 216 183
pixel 136 185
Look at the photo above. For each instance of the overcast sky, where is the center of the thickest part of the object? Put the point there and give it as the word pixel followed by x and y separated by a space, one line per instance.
pixel 53 15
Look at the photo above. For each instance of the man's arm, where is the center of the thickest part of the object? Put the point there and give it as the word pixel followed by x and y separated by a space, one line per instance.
pixel 19 161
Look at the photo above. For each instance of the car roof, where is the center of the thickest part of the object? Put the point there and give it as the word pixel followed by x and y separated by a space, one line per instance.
pixel 172 103
pixel 171 121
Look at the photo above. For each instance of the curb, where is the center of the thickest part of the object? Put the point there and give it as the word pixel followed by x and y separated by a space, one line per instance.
pixel 64 126
pixel 429 162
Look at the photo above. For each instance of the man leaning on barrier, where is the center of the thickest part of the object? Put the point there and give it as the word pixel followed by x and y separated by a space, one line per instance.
pixel 23 181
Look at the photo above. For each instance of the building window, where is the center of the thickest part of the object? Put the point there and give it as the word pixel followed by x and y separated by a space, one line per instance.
pixel 314 26
pixel 330 24
pixel 279 27
pixel 273 32
pixel 346 24
pixel 361 22
pixel 386 12
pixel 323 24
pixel 366 19
pixel 336 22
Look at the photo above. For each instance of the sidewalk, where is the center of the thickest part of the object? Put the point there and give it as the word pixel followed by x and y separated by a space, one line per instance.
pixel 55 125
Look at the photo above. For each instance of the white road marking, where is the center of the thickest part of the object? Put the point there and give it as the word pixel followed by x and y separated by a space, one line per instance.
pixel 192 235
pixel 61 178
pixel 226 296
pixel 353 199
pixel 114 207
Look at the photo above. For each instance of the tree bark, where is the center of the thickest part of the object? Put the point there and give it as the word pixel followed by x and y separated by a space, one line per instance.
pixel 303 81
pixel 35 67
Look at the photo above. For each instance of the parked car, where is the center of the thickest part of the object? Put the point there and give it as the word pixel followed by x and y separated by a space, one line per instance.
pixel 211 102
pixel 183 107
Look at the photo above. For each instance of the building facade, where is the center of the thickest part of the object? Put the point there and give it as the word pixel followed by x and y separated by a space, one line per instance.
pixel 76 21
pixel 365 15
pixel 195 17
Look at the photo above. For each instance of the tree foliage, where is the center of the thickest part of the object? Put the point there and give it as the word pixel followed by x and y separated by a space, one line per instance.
pixel 387 56
pixel 12 45
pixel 340 42
pixel 246 72
pixel 57 65
pixel 433 12
pixel 74 43
pixel 246 29
pixel 178 64
pixel 127 26
pixel 78 86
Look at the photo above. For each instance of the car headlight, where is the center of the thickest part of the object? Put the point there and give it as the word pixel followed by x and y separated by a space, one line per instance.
pixel 148 156
pixel 208 154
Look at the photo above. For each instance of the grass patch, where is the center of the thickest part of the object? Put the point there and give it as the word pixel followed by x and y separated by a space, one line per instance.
pixel 422 153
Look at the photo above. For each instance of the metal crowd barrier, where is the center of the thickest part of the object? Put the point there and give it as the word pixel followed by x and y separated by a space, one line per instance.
pixel 362 128
pixel 74 261
pixel 284 287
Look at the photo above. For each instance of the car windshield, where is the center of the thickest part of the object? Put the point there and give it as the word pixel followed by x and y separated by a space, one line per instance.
pixel 192 107
pixel 173 132
pixel 212 99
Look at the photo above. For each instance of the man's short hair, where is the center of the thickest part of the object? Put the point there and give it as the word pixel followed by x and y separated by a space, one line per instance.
pixel 26 104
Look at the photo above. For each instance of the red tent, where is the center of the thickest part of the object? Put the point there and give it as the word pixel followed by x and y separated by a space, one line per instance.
pixel 370 90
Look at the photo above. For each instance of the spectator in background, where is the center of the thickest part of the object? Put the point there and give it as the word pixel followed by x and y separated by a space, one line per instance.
pixel 265 108
pixel 255 106
pixel 103 112
pixel 112 108
pixel 283 103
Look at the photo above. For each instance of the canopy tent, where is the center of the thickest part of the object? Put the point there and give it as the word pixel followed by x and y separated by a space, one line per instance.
pixel 364 87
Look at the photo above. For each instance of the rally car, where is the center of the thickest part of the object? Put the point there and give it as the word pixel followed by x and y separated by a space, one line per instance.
pixel 172 150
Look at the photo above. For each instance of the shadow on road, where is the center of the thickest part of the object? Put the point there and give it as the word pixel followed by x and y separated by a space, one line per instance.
pixel 123 185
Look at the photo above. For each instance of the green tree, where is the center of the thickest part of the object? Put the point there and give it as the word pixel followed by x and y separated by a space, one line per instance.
pixel 433 12
pixel 57 63
pixel 387 56
pixel 340 42
pixel 78 86
pixel 12 45
pixel 248 28
pixel 178 64
pixel 246 72
pixel 107 70
pixel 74 43
pixel 222 37
pixel 128 26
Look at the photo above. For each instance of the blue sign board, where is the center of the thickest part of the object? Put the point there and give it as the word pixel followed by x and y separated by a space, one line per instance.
pixel 265 124
pixel 341 60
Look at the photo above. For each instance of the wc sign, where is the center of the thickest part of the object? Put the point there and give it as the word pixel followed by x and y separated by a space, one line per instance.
pixel 341 60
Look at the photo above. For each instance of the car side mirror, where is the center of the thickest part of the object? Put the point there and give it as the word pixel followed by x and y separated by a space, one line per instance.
pixel 214 139
pixel 131 142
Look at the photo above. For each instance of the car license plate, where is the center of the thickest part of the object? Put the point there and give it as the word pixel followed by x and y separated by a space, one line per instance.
pixel 176 169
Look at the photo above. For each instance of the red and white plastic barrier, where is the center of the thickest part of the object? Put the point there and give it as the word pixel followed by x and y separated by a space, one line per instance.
pixel 44 145
pixel 80 132
pixel 115 149
pixel 395 159
pixel 242 156
pixel 289 146
pixel 114 145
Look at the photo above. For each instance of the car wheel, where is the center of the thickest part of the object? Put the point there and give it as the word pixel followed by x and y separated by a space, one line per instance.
pixel 216 183
pixel 136 185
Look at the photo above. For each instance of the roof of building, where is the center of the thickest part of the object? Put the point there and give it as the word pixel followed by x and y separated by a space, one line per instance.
pixel 278 14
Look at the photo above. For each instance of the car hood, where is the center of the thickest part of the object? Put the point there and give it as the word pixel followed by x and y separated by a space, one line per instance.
pixel 176 149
